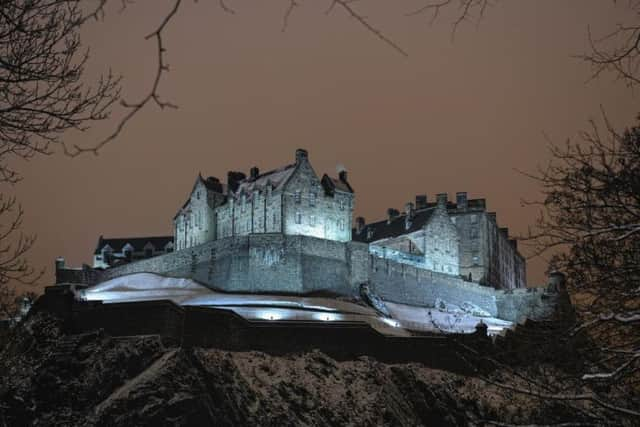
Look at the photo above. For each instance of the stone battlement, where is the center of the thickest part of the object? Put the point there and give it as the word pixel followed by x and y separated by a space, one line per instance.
pixel 293 264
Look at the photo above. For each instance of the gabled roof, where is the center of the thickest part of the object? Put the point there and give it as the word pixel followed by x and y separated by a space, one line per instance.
pixel 138 243
pixel 211 184
pixel 331 184
pixel 277 178
pixel 383 229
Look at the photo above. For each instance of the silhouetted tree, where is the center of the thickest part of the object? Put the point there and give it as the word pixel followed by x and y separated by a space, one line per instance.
pixel 42 95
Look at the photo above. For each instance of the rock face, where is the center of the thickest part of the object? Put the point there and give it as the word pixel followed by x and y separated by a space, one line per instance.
pixel 49 378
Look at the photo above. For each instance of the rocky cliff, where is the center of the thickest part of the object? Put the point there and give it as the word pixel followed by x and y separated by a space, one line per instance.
pixel 48 377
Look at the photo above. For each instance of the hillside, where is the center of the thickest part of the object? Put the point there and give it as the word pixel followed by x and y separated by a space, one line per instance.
pixel 49 378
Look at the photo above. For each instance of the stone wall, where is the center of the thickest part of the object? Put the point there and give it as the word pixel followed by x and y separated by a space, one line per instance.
pixel 405 284
pixel 277 263
pixel 273 263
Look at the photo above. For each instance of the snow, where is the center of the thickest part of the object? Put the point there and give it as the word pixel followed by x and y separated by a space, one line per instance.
pixel 259 307
pixel 433 320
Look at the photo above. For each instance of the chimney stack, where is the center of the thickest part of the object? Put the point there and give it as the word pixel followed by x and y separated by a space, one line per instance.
pixel 343 175
pixel 301 154
pixel 254 172
pixel 442 199
pixel 391 214
pixel 461 200
pixel 233 180
pixel 359 224
pixel 421 201
pixel 408 210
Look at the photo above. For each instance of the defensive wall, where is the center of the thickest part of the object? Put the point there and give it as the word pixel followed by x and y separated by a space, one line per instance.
pixel 183 326
pixel 289 264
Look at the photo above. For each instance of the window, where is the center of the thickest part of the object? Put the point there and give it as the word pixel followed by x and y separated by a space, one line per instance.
pixel 244 201
pixel 312 220
pixel 312 199
pixel 475 258
pixel 148 252
pixel 198 195
pixel 474 219
pixel 298 196
pixel 341 224
pixel 341 203
pixel 128 254
pixel 298 218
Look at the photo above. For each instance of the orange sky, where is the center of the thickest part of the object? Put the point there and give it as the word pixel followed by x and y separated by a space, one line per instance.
pixel 458 115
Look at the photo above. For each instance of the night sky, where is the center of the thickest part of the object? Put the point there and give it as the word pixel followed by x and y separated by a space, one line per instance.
pixel 455 115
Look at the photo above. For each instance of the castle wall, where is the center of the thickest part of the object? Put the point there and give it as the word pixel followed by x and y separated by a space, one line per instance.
pixel 274 263
pixel 277 263
pixel 406 284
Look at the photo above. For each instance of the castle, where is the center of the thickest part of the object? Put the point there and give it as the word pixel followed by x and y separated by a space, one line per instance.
pixel 289 231
pixel 460 239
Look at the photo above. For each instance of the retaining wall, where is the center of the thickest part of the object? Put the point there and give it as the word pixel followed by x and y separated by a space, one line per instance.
pixel 289 264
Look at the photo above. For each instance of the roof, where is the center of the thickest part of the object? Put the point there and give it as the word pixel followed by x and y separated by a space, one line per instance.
pixel 331 185
pixel 383 229
pixel 276 178
pixel 138 243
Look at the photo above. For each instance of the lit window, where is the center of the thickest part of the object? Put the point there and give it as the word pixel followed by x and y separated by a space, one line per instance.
pixel 298 218
pixel 298 196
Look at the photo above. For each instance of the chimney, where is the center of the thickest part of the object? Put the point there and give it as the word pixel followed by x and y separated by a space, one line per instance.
pixel 343 175
pixel 301 154
pixel 254 172
pixel 359 224
pixel 408 215
pixel 408 210
pixel 442 199
pixel 59 263
pixel 421 201
pixel 233 179
pixel 213 183
pixel 391 214
pixel 461 200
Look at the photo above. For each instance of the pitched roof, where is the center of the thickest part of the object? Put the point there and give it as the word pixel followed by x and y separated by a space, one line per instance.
pixel 138 243
pixel 333 184
pixel 383 229
pixel 276 177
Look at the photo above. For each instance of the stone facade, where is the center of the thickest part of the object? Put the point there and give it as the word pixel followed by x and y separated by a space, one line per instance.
pixel 475 248
pixel 291 200
pixel 111 252
pixel 294 264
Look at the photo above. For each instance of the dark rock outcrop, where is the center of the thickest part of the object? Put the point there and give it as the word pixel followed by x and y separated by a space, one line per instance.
pixel 48 377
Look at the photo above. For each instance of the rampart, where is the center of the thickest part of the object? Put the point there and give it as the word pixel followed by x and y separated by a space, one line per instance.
pixel 287 264
pixel 272 263
pixel 406 284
